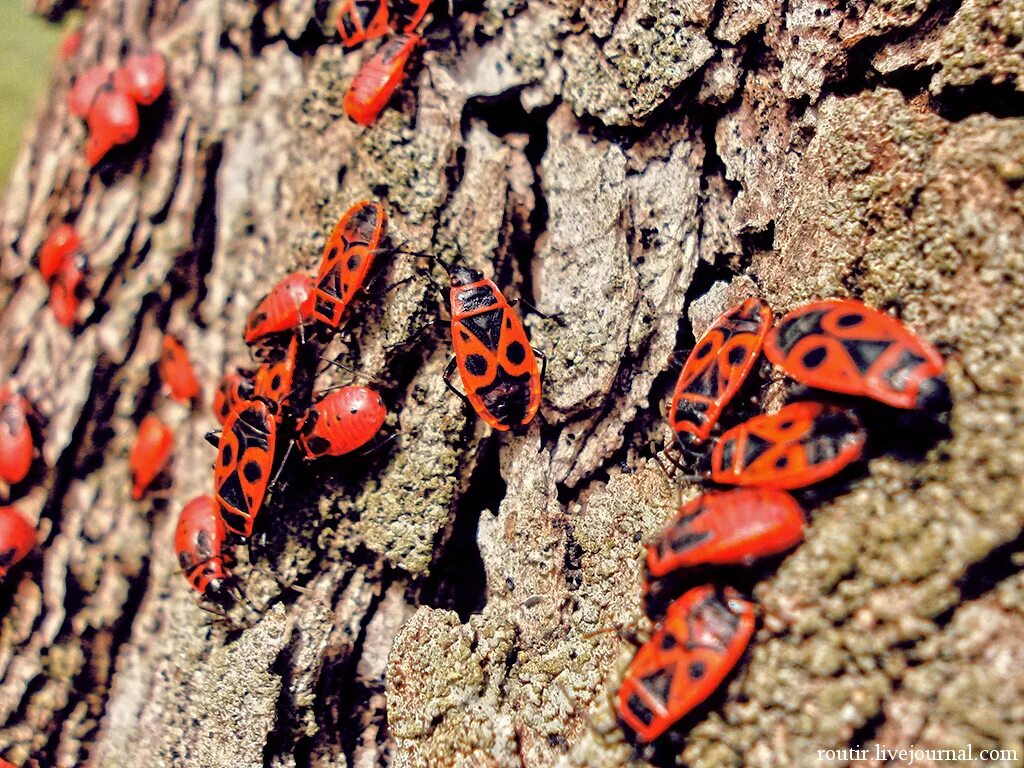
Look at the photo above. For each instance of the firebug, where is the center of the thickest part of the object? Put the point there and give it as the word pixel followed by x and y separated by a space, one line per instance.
pixel 341 422
pixel 17 538
pixel 716 369
pixel 804 443
pixel 689 655
pixel 842 345
pixel 150 454
pixel 379 78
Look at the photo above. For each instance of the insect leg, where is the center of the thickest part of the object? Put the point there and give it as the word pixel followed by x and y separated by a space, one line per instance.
pixel 448 371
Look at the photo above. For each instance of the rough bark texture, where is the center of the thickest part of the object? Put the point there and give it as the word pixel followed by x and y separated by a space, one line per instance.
pixel 615 162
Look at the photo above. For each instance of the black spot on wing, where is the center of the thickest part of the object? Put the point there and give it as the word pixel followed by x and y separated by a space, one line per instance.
pixel 639 708
pixel 476 364
pixel 515 352
pixel 796 328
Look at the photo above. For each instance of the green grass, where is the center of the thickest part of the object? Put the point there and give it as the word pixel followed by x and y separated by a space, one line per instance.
pixel 27 45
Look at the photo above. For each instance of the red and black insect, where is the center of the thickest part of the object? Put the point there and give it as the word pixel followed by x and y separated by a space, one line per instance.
pixel 734 527
pixel 234 389
pixel 245 458
pixel 844 346
pixel 379 78
pixel 200 542
pixel 150 454
pixel 16 446
pixel 17 538
pixel 61 246
pixel 716 369
pixel 804 443
pixel 287 307
pixel 176 371
pixel 142 77
pixel 341 422
pixel 689 655
pixel 497 365
pixel 347 259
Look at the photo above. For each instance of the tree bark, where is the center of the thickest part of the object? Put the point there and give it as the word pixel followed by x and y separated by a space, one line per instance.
pixel 635 167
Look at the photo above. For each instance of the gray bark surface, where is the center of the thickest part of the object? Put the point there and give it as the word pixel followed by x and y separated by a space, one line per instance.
pixel 634 166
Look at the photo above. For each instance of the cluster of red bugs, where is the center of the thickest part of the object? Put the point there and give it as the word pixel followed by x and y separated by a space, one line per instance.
pixel 17 450
pixel 264 414
pixel 382 73
pixel 109 101
pixel 835 345
pixel 62 264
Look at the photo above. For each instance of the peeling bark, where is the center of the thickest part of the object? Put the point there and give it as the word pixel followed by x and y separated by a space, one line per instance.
pixel 635 167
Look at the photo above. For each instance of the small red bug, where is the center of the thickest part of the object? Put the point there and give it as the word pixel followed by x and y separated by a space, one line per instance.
pixel 274 380
pixel 200 542
pixel 70 44
pixel 142 77
pixel 60 245
pixel 732 527
pixel 341 422
pixel 17 538
pixel 113 119
pixel 686 659
pixel 717 368
pixel 378 78
pixel 803 443
pixel 234 389
pixel 245 457
pixel 16 448
pixel 347 259
pixel 497 365
pixel 66 293
pixel 845 346
pixel 288 305
pixel 83 92
pixel 150 454
pixel 176 371
pixel 362 20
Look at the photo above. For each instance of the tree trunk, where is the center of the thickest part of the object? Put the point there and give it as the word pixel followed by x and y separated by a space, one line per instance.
pixel 635 167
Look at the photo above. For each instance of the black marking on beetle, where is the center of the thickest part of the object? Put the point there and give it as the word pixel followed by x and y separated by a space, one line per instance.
pixel 486 327
pixel 515 352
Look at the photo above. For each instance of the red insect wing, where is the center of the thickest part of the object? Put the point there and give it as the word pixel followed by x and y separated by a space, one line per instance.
pixel 728 528
pixel 16 447
pixel 83 92
pixel 60 246
pixel 17 538
pixel 686 659
pixel 347 259
pixel 803 443
pixel 150 454
pixel 406 15
pixel 142 77
pixel 844 346
pixel 176 371
pixel 362 20
pixel 288 304
pixel 342 422
pixel 201 547
pixel 716 369
pixel 274 380
pixel 245 456
pixel 379 78
pixel 113 119
pixel 496 362
pixel 233 390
